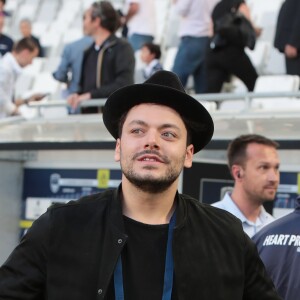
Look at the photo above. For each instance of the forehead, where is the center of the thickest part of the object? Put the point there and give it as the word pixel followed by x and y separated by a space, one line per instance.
pixel 261 152
pixel 24 24
pixel 87 12
pixel 151 112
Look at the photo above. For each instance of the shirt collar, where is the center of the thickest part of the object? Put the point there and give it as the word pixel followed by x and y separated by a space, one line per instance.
pixel 150 66
pixel 233 208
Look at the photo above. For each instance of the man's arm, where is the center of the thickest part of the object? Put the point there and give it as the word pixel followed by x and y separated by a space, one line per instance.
pixel 134 7
pixel 6 104
pixel 61 74
pixel 23 275
pixel 292 47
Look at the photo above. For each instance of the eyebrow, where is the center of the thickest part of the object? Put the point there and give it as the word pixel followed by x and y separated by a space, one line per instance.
pixel 163 126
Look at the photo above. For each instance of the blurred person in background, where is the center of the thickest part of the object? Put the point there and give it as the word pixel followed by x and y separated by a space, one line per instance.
pixel 69 69
pixel 226 55
pixel 6 43
pixel 140 20
pixel 195 31
pixel 26 31
pixel 24 51
pixel 2 4
pixel 108 63
pixel 254 165
pixel 278 245
pixel 287 36
pixel 150 55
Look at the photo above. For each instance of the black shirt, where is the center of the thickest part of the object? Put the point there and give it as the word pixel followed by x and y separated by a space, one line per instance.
pixel 6 44
pixel 143 261
pixel 90 71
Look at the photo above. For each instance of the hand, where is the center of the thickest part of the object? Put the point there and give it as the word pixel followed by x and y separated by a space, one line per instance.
pixel 37 97
pixel 258 31
pixel 75 99
pixel 290 51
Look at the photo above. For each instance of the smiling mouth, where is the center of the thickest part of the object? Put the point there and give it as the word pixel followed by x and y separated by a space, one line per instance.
pixel 150 159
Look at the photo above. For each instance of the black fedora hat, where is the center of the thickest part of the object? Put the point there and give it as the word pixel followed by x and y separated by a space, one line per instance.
pixel 163 88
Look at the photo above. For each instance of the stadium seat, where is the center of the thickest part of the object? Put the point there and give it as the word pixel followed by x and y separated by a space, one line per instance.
pixel 273 84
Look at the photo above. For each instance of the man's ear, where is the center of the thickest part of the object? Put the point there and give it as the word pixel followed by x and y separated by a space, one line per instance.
pixel 118 150
pixel 189 156
pixel 237 172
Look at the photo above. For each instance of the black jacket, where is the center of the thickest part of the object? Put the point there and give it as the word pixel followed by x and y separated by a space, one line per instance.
pixel 115 67
pixel 71 251
pixel 288 25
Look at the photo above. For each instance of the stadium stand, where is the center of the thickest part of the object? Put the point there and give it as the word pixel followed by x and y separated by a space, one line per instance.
pixel 58 22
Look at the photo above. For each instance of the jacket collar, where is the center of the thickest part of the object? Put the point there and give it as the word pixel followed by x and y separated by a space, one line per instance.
pixel 116 215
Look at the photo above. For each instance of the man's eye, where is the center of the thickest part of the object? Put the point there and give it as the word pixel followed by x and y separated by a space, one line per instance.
pixel 169 134
pixel 136 130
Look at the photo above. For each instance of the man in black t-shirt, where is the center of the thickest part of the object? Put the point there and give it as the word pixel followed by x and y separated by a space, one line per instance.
pixel 109 63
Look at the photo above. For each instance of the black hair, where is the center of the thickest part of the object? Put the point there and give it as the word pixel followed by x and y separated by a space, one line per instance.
pixel 25 43
pixel 108 15
pixel 154 49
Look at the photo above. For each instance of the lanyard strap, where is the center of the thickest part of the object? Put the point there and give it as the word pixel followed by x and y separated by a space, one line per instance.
pixel 169 268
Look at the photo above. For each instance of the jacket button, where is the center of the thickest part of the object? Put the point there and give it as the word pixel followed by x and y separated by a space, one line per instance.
pixel 99 291
pixel 120 241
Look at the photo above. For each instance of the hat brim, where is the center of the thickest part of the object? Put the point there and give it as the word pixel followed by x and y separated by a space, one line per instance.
pixel 189 108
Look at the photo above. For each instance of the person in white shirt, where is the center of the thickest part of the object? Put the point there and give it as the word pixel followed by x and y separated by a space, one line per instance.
pixel 254 165
pixel 195 31
pixel 11 66
pixel 140 20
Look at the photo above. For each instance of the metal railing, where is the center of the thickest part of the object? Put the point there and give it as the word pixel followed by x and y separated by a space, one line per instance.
pixel 218 97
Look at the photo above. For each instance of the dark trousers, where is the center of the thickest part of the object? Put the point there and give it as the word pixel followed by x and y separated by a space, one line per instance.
pixel 223 62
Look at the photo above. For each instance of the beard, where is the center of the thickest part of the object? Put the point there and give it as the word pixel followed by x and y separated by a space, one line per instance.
pixel 149 183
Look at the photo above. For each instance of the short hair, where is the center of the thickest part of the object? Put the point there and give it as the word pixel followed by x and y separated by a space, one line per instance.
pixel 3 1
pixel 108 15
pixel 236 151
pixel 25 43
pixel 154 49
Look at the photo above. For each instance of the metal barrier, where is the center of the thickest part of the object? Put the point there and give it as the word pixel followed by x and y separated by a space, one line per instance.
pixel 218 97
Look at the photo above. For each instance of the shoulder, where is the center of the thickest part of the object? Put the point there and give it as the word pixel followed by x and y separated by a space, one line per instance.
pixel 6 38
pixel 288 224
pixel 121 42
pixel 83 207
pixel 220 218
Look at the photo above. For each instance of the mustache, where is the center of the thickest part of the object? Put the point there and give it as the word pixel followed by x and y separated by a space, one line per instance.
pixel 163 158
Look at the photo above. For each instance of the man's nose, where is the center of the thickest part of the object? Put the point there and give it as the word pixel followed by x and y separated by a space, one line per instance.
pixel 152 141
pixel 273 175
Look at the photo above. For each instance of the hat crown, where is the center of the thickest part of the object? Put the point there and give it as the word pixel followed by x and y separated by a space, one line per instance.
pixel 167 79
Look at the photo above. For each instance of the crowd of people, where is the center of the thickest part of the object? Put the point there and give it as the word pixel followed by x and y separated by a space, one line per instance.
pixel 145 240
pixel 211 48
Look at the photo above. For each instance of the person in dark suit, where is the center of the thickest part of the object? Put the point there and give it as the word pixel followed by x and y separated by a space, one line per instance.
pixel 287 36
pixel 143 240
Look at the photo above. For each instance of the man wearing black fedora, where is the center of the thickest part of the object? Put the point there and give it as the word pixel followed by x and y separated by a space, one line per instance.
pixel 143 240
